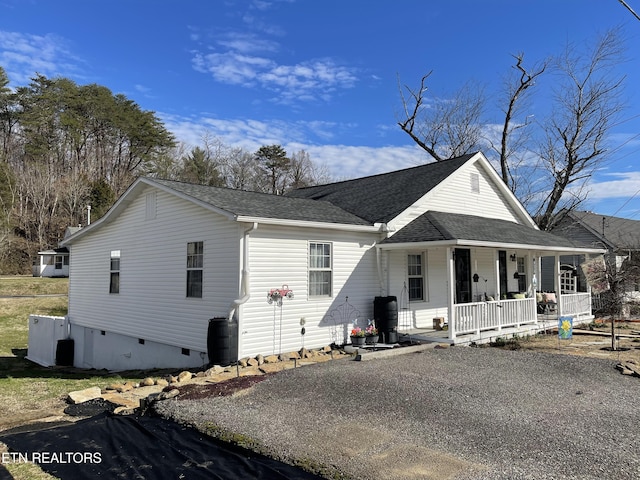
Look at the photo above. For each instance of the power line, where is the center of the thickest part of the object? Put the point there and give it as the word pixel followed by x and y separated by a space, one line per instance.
pixel 629 8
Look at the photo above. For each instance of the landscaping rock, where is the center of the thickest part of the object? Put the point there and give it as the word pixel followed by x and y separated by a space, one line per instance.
pixel 126 387
pixel 124 411
pixel 174 392
pixel 253 362
pixel 213 371
pixel 184 376
pixel 148 382
pixel 85 395
pixel 271 359
pixel 161 382
pixel 260 359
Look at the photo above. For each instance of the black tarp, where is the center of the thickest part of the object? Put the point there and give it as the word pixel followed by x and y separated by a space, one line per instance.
pixel 141 447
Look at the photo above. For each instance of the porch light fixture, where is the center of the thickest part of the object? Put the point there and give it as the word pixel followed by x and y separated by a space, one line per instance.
pixel 512 257
pixel 516 275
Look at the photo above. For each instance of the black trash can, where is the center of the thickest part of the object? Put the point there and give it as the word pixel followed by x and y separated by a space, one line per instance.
pixel 222 341
pixel 64 352
pixel 385 313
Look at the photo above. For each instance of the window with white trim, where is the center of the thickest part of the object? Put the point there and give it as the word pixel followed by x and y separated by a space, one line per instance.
pixel 195 261
pixel 522 274
pixel 114 272
pixel 415 277
pixel 320 269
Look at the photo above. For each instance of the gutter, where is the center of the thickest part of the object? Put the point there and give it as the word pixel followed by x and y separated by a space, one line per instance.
pixel 245 291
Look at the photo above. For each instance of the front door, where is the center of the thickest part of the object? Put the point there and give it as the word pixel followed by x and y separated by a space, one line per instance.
pixel 463 275
pixel 502 268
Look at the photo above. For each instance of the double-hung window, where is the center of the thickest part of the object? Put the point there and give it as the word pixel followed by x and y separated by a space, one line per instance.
pixel 415 276
pixel 114 270
pixel 320 269
pixel 195 262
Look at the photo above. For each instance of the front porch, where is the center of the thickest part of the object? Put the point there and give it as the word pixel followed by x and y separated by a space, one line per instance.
pixel 483 322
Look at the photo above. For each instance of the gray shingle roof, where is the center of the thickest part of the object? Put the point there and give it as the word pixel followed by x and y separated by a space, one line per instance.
pixel 263 205
pixel 621 233
pixel 380 198
pixel 439 226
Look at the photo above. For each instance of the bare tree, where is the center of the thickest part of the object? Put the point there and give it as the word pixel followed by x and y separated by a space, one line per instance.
pixel 611 277
pixel 553 176
pixel 515 134
pixel 444 128
pixel 303 172
pixel 587 103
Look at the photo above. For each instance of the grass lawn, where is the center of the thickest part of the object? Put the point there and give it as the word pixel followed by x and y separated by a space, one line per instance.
pixel 27 390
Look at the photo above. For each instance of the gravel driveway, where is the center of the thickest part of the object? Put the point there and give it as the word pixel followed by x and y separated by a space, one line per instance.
pixel 462 412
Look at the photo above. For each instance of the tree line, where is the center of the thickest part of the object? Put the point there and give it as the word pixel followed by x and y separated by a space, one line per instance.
pixel 65 146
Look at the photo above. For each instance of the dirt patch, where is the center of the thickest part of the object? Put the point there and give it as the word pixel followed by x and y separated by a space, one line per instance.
pixel 196 391
pixel 593 340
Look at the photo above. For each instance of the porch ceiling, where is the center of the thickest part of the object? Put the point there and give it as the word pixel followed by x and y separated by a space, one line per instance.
pixel 459 229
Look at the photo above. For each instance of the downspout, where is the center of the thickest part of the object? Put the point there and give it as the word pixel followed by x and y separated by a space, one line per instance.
pixel 381 280
pixel 246 294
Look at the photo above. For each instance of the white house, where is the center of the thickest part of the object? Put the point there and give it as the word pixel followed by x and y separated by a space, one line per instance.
pixel 147 277
pixel 52 263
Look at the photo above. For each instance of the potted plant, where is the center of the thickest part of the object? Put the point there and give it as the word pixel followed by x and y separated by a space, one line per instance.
pixel 357 336
pixel 371 335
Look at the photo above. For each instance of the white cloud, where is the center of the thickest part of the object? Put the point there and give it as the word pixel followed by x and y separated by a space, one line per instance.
pixel 623 185
pixel 343 161
pixel 23 55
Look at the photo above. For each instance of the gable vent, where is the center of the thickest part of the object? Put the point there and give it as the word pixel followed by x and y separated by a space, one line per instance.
pixel 150 212
pixel 475 183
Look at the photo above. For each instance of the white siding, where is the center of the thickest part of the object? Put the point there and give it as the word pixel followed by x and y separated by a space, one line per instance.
pixel 419 314
pixel 152 303
pixel 279 256
pixel 455 195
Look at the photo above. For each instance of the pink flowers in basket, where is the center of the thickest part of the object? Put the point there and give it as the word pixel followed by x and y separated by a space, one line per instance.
pixel 357 332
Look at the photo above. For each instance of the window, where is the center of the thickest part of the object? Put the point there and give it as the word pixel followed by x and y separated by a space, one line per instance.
pixel 415 275
pixel 58 265
pixel 194 269
pixel 114 283
pixel 320 269
pixel 66 260
pixel 522 275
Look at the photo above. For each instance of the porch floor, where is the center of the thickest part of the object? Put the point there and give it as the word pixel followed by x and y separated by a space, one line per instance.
pixel 545 323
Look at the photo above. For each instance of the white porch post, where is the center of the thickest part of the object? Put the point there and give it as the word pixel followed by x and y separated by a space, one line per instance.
pixel 556 283
pixel 451 293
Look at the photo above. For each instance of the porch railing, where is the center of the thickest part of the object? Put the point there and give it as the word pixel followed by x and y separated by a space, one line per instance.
pixel 577 305
pixel 480 316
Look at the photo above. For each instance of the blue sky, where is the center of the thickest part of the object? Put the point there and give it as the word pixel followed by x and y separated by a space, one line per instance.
pixel 315 75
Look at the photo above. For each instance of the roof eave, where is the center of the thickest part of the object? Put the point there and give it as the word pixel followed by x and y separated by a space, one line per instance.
pixel 351 227
pixel 480 243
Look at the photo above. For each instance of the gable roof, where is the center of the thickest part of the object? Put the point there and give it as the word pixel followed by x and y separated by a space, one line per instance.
pixel 461 229
pixel 380 198
pixel 242 203
pixel 588 229
pixel 238 205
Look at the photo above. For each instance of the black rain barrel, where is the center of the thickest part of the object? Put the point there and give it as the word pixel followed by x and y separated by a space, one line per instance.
pixel 64 352
pixel 221 341
pixel 385 313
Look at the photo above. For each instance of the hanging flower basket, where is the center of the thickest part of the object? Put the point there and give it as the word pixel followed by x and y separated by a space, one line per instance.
pixel 357 337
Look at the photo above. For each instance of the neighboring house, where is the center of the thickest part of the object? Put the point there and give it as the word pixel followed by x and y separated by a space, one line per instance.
pixel 619 237
pixel 54 262
pixel 146 278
